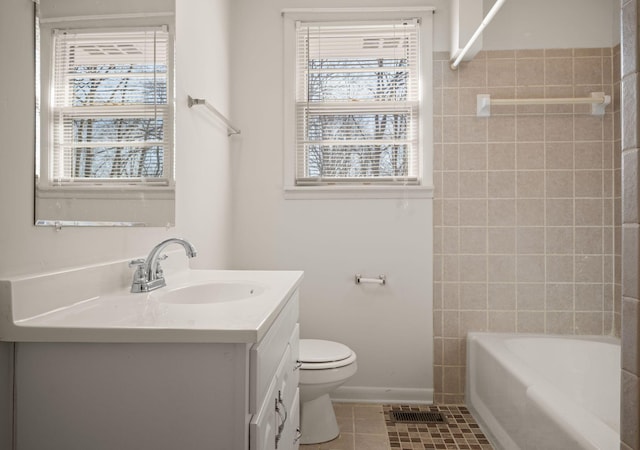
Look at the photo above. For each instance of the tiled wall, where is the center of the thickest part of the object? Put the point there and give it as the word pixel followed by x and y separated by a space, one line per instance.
pixel 630 395
pixel 524 228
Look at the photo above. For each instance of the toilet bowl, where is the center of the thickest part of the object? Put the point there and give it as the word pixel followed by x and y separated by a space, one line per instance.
pixel 324 366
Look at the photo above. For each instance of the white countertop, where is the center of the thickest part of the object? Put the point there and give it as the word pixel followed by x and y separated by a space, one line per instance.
pixel 121 316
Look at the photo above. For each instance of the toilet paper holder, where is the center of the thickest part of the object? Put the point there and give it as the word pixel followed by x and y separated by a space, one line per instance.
pixel 380 279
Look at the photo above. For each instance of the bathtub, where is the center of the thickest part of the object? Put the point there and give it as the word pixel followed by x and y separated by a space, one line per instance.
pixel 545 392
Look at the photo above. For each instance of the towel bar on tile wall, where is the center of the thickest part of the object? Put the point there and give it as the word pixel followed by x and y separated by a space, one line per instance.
pixel 598 102
pixel 231 130
pixel 381 279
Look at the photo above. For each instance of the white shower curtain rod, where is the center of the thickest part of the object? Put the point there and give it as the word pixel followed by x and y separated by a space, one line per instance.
pixel 231 130
pixel 598 102
pixel 489 17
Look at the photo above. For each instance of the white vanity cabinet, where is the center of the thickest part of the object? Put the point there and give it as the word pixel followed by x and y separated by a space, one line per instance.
pixel 161 395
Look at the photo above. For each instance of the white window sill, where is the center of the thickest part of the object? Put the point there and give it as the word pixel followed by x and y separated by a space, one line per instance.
pixel 356 192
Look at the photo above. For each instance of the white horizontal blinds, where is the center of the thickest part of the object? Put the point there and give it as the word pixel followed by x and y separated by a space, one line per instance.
pixel 357 102
pixel 110 110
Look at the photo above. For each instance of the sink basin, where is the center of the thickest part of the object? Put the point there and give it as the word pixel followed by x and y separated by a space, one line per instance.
pixel 208 293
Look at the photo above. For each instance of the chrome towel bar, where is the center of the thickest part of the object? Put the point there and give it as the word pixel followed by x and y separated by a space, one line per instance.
pixel 231 130
pixel 381 279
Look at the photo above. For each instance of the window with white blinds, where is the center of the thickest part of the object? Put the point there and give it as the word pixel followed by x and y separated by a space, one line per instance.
pixel 357 102
pixel 110 119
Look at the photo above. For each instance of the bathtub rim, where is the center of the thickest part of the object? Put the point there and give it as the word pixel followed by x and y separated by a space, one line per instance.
pixel 501 435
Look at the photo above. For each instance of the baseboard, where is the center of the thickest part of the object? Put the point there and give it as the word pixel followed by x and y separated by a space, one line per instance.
pixel 358 394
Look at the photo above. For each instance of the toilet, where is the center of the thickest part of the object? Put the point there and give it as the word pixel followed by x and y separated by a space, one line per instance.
pixel 324 366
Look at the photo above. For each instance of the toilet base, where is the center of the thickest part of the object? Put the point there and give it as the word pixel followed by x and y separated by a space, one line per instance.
pixel 318 421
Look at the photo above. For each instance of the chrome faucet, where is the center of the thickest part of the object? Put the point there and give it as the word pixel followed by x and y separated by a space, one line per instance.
pixel 149 275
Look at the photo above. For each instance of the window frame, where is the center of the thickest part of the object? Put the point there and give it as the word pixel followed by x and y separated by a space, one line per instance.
pixel 424 187
pixel 124 188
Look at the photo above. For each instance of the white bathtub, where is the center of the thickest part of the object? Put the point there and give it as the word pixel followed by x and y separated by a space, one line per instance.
pixel 545 392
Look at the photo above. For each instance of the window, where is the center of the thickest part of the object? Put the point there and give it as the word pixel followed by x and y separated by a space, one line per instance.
pixel 356 117
pixel 110 121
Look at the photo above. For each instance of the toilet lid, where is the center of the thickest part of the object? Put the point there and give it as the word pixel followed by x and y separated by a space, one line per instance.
pixel 319 351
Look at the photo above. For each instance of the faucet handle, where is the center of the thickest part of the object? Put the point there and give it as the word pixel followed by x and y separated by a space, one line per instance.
pixel 137 262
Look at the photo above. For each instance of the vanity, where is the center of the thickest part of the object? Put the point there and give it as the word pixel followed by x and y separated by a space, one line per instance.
pixel 207 362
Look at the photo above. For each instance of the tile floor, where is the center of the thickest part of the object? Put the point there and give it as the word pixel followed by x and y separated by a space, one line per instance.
pixel 367 427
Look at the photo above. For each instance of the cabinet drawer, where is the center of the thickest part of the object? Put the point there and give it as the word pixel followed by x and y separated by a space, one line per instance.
pixel 265 355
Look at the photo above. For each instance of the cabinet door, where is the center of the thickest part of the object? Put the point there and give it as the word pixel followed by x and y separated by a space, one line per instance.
pixel 263 427
pixel 290 437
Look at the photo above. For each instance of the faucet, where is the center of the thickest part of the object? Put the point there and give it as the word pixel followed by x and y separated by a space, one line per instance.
pixel 149 275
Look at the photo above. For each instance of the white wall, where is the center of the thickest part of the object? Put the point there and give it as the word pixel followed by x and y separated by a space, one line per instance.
pixel 524 24
pixel 202 166
pixel 390 327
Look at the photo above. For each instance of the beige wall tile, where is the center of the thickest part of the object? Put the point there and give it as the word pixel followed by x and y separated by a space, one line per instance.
pixel 588 70
pixel 530 184
pixel 530 268
pixel 530 212
pixel 559 212
pixel 473 240
pixel 530 322
pixel 530 296
pixel 501 128
pixel 472 129
pixel 558 127
pixel 450 101
pixel 473 212
pixel 588 183
pixel 590 155
pixel 558 322
pixel 630 261
pixel 529 155
pixel 472 321
pixel 589 212
pixel 559 269
pixel 501 72
pixel 530 240
pixel 559 297
pixel 501 156
pixel 501 268
pixel 589 323
pixel 530 72
pixel 589 297
pixel 501 240
pixel 559 184
pixel 589 268
pixel 530 128
pixel 502 321
pixel 588 127
pixel 558 71
pixel 501 296
pixel 501 184
pixel 559 240
pixel 629 91
pixel 630 194
pixel 559 155
pixel 473 268
pixel 589 240
pixel 629 37
pixel 473 73
pixel 630 335
pixel 473 156
pixel 473 296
